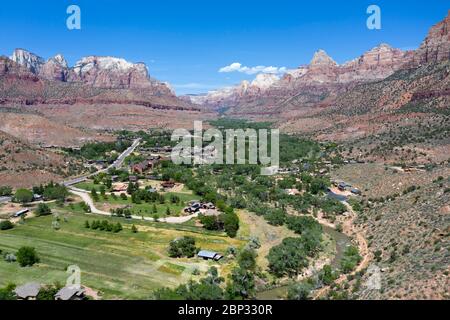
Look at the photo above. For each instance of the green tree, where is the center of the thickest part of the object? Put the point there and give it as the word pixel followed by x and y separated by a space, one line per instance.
pixel 5 191
pixel 7 293
pixel 117 227
pixel 43 210
pixel 300 291
pixel 23 196
pixel 134 229
pixel 182 247
pixel 230 223
pixel 49 292
pixel 27 256
pixel 242 284
pixel 247 259
pixel 6 225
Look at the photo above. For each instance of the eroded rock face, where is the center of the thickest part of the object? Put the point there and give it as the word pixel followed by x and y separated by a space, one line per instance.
pixel 436 46
pixel 378 63
pixel 11 68
pixel 98 72
pixel 27 59
pixel 323 71
pixel 109 72
pixel 55 68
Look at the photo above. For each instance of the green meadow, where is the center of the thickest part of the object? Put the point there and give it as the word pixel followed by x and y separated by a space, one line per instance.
pixel 122 265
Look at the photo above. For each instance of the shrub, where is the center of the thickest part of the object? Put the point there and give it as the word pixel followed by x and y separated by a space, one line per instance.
pixel 27 256
pixel 182 247
pixel 6 225
pixel 43 210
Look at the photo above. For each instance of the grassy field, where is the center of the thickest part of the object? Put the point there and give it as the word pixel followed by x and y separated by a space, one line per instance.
pixel 88 186
pixel 123 265
pixel 146 209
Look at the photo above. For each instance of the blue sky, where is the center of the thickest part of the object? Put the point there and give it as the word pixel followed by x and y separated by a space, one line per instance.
pixel 187 42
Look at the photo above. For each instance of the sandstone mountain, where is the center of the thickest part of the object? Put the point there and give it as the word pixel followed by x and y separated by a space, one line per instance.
pixel 323 80
pixel 323 77
pixel 436 46
pixel 26 78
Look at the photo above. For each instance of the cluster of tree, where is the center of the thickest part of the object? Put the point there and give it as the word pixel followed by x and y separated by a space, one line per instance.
pixel 350 259
pixel 138 196
pixel 52 191
pixel 288 258
pixel 327 275
pixel 300 291
pixel 97 150
pixel 332 207
pixel 291 256
pixel 228 222
pixel 240 285
pixel 104 225
pixel 182 247
pixel 122 212
pixel 43 210
pixel 5 191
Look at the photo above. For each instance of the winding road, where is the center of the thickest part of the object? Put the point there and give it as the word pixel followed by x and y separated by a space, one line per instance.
pixel 86 197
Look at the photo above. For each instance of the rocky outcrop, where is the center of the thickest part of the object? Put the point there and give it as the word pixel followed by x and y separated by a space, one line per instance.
pixel 378 63
pixel 436 46
pixel 322 75
pixel 110 72
pixel 28 60
pixel 55 68
pixel 94 71
pixel 26 79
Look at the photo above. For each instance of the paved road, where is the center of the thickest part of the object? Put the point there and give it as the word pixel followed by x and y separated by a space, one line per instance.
pixel 116 164
pixel 85 196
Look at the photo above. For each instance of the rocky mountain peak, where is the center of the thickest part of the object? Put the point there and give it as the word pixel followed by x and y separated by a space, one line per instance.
pixel 28 60
pixel 55 68
pixel 264 81
pixel 59 59
pixel 321 58
pixel 110 72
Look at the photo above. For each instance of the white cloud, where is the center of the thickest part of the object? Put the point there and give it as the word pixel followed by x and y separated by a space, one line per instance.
pixel 238 67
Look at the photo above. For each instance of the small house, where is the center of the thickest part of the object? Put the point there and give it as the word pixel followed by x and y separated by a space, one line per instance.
pixel 28 291
pixel 209 255
pixel 70 293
